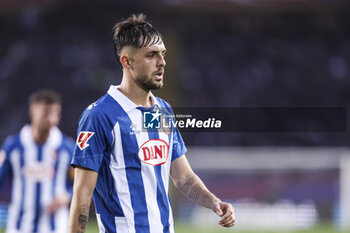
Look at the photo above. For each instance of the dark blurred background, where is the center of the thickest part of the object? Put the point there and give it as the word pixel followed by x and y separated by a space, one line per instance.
pixel 220 53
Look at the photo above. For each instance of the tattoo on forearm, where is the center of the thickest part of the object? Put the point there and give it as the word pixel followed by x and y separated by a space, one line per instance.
pixel 192 189
pixel 187 185
pixel 83 218
pixel 82 221
pixel 195 192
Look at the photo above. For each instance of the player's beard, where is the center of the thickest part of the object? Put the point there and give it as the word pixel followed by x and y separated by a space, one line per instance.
pixel 44 126
pixel 148 84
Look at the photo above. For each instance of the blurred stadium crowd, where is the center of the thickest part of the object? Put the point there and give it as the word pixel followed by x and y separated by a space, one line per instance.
pixel 227 55
pixel 220 54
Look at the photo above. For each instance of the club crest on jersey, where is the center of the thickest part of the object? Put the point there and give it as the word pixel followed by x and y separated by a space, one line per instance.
pixel 83 138
pixel 134 130
pixel 154 152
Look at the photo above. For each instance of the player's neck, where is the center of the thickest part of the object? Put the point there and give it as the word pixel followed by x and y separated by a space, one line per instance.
pixel 137 95
pixel 40 135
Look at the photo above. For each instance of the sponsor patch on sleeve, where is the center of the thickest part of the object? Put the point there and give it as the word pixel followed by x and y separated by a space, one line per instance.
pixel 83 138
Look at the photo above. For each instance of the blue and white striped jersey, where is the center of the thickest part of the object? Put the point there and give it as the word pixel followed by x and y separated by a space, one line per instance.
pixel 39 173
pixel 133 165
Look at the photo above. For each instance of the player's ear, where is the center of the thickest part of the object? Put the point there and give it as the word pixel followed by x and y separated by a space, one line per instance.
pixel 125 61
pixel 30 111
pixel 56 114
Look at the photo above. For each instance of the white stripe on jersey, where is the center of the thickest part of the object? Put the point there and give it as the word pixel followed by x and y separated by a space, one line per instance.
pixel 165 171
pixel 30 154
pixel 165 176
pixel 121 223
pixel 100 225
pixel 61 220
pixel 118 171
pixel 166 168
pixel 46 191
pixel 171 219
pixel 62 170
pixel 61 217
pixel 149 179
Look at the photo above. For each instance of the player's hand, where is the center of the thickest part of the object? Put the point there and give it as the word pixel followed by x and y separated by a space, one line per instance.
pixel 58 202
pixel 226 212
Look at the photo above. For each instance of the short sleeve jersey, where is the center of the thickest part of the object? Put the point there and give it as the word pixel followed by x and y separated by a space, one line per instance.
pixel 133 164
pixel 39 174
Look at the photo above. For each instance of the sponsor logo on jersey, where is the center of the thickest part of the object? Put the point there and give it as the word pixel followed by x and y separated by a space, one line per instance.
pixel 2 157
pixel 83 139
pixel 38 171
pixel 154 152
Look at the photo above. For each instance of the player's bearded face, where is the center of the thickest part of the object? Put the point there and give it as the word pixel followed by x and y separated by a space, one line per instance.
pixel 147 83
pixel 148 67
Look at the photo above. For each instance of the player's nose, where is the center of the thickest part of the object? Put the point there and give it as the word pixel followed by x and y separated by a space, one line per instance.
pixel 161 61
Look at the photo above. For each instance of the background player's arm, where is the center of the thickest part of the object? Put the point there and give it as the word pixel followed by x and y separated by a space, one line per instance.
pixel 5 167
pixel 84 185
pixel 188 183
pixel 58 202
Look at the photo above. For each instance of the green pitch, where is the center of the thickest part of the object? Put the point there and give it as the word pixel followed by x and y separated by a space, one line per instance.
pixel 186 228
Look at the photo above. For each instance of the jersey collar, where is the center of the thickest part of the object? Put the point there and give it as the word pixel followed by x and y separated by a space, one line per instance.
pixel 54 139
pixel 125 102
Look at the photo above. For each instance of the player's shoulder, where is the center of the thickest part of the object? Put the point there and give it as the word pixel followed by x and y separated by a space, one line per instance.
pixel 11 142
pixel 98 115
pixel 165 106
pixel 98 108
pixel 163 103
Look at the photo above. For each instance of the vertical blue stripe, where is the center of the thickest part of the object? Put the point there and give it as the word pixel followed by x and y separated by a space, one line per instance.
pixel 133 173
pixel 105 190
pixel 162 198
pixel 106 197
pixel 21 209
pixel 107 219
pixel 37 210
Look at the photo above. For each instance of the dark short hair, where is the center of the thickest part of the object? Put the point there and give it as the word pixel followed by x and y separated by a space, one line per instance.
pixel 45 95
pixel 135 32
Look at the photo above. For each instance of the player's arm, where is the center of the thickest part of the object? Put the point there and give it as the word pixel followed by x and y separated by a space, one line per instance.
pixel 83 187
pixel 188 183
pixel 5 167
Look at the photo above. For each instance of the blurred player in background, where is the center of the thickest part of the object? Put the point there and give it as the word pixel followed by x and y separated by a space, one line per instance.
pixel 125 168
pixel 38 160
